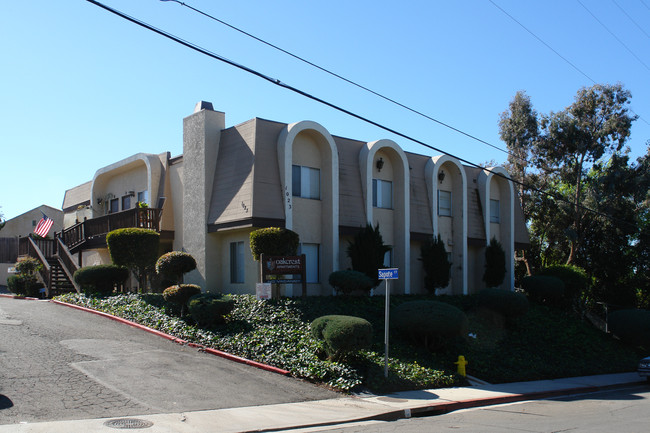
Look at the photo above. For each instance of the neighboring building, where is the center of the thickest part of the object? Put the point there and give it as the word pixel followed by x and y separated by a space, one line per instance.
pixel 230 181
pixel 22 226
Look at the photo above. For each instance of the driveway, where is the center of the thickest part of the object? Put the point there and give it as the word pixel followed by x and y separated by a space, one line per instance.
pixel 59 363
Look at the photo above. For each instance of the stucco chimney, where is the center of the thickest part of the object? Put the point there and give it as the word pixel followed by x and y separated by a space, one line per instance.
pixel 201 136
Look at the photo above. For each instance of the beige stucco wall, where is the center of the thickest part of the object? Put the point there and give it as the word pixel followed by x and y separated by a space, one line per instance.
pixel 119 183
pixel 24 224
pixel 172 218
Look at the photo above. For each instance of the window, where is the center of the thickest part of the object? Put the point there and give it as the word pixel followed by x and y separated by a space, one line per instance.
pixel 444 203
pixel 312 259
pixel 382 193
pixel 388 258
pixel 237 262
pixel 114 205
pixel 142 196
pixel 494 211
pixel 306 182
pixel 126 202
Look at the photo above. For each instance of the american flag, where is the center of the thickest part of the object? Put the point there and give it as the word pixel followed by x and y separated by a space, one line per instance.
pixel 43 227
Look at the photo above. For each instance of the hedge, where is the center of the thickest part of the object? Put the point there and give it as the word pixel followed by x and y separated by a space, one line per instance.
pixel 348 281
pixel 430 323
pixel 508 304
pixel 274 241
pixel 631 326
pixel 209 309
pixel 180 294
pixel 342 335
pixel 100 278
pixel 544 289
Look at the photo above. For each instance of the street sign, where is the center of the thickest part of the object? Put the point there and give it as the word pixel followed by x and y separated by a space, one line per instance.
pixel 387 274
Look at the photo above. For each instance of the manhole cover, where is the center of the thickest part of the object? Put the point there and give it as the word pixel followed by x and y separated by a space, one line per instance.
pixel 128 423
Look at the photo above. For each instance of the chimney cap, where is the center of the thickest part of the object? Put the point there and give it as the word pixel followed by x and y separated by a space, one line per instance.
pixel 203 105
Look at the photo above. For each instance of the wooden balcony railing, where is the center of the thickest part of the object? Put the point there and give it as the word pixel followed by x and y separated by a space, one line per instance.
pixel 145 218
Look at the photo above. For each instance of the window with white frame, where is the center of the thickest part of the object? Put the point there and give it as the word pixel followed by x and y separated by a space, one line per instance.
pixel 444 203
pixel 495 214
pixel 237 262
pixel 312 261
pixel 382 193
pixel 305 182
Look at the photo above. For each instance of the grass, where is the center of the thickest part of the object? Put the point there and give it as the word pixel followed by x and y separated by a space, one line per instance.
pixel 543 344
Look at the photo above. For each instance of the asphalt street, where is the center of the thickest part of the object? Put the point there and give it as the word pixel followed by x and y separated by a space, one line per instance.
pixel 58 363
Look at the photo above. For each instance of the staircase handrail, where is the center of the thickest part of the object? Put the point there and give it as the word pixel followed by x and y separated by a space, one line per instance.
pixel 67 262
pixel 45 272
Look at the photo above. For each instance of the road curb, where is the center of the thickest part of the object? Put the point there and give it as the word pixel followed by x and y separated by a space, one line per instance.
pixel 200 347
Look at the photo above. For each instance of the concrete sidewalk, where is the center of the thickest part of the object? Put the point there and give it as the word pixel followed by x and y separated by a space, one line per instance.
pixel 343 410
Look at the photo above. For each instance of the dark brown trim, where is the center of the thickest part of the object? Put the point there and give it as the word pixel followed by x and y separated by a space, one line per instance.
pixel 247 223
pixel 421 237
pixel 475 242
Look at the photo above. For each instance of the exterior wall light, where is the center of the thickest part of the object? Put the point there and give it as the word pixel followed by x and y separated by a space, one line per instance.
pixel 441 176
pixel 379 164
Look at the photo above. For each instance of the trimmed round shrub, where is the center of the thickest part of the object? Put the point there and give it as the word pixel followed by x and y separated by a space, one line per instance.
pixel 430 323
pixel 180 294
pixel 23 286
pixel 101 278
pixel 342 335
pixel 348 281
pixel 508 304
pixel 209 309
pixel 135 248
pixel 273 241
pixel 174 264
pixel 544 289
pixel 575 279
pixel 631 326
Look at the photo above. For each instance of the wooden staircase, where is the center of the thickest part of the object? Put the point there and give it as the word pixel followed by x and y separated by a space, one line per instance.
pixel 59 281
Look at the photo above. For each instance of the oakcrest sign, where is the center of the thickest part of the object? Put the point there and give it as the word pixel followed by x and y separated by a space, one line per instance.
pixel 275 269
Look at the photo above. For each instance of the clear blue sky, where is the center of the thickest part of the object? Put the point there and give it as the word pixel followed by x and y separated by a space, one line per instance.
pixel 82 88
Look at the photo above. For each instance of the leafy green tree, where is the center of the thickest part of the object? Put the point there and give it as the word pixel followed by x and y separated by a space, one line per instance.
pixel 135 249
pixel 2 220
pixel 367 251
pixel 435 263
pixel 274 241
pixel 597 124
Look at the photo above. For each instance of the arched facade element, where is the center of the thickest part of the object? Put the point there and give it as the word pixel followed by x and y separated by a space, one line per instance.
pixel 493 184
pixel 154 177
pixel 329 186
pixel 400 228
pixel 438 169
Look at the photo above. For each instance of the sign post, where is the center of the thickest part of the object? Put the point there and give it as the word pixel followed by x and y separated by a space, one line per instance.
pixel 387 274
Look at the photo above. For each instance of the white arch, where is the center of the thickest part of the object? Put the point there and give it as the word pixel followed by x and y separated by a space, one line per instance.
pixel 432 169
pixel 330 231
pixel 401 206
pixel 485 179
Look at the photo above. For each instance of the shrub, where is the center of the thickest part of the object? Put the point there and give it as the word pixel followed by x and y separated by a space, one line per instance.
pixel 575 279
pixel 28 267
pixel 174 264
pixel 509 304
pixel 544 289
pixel 342 335
pixel 274 241
pixel 180 294
pixel 367 251
pixel 436 264
pixel 631 326
pixel 349 281
pixel 136 249
pixel 430 323
pixel 495 264
pixel 100 278
pixel 209 309
pixel 26 282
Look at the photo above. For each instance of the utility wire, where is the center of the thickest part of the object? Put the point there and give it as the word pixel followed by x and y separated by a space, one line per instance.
pixel 334 74
pixel 631 19
pixel 279 83
pixel 614 35
pixel 553 50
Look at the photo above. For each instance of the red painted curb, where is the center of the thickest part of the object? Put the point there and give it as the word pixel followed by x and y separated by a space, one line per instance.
pixel 178 340
pixel 5 295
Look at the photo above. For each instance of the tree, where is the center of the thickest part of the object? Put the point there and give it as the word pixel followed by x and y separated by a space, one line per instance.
pixel 495 264
pixel 136 249
pixel 519 129
pixel 596 124
pixel 2 220
pixel 174 264
pixel 367 251
pixel 274 241
pixel 435 263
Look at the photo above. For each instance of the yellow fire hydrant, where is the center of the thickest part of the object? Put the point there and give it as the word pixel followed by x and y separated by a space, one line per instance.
pixel 461 363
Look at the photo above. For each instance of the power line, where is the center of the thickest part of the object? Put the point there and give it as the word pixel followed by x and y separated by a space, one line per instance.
pixel 614 35
pixel 279 83
pixel 347 80
pixel 631 19
pixel 554 51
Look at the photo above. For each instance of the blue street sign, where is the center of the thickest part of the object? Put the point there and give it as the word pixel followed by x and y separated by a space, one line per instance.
pixel 387 274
